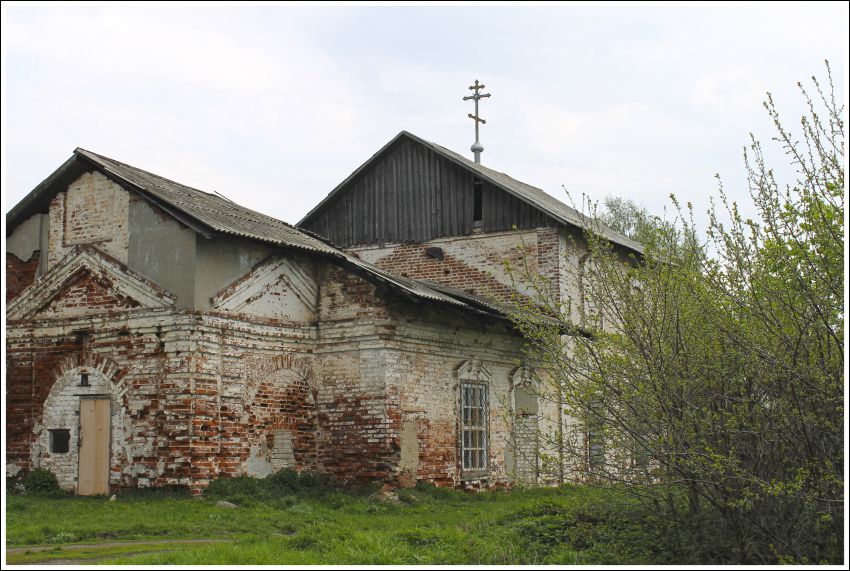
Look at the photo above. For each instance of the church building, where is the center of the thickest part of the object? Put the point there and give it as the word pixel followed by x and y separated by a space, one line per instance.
pixel 160 335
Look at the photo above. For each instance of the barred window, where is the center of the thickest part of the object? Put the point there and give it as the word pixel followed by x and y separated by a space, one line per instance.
pixel 595 434
pixel 474 442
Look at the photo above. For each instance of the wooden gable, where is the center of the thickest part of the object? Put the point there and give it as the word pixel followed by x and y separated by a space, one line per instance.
pixel 408 192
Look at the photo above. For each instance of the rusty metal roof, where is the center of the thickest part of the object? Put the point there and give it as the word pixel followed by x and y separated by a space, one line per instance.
pixel 210 214
pixel 525 192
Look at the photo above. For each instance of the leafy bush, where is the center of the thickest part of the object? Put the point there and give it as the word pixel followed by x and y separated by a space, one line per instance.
pixel 289 481
pixel 247 490
pixel 162 492
pixel 14 486
pixel 438 492
pixel 43 482
pixel 714 365
pixel 605 533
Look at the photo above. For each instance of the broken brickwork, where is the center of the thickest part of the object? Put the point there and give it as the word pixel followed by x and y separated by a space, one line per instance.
pixel 476 263
pixel 197 396
pixel 19 275
pixel 291 362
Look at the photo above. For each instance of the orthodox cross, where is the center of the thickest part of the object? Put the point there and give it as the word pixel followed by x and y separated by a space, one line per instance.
pixel 477 147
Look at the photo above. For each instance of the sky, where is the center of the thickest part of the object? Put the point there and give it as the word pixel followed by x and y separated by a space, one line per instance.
pixel 274 105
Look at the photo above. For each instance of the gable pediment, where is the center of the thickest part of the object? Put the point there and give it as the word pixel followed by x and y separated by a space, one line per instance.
pixel 87 281
pixel 277 288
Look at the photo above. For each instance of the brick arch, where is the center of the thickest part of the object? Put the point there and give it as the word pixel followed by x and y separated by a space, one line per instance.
pixel 101 363
pixel 61 409
pixel 284 361
pixel 280 403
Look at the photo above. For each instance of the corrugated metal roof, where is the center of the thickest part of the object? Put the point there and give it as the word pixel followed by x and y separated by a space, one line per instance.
pixel 525 192
pixel 226 217
pixel 215 212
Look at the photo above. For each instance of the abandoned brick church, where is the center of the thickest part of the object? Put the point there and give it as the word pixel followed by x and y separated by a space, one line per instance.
pixel 161 335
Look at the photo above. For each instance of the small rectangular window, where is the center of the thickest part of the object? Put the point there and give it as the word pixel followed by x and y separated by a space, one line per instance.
pixel 474 445
pixel 477 200
pixel 60 441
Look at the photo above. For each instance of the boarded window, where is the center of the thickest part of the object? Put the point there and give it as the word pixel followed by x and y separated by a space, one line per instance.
pixel 474 445
pixel 60 441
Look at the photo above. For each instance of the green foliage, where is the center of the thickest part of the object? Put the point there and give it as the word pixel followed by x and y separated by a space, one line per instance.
pixel 603 533
pixel 714 368
pixel 439 492
pixel 632 220
pixel 174 492
pixel 441 527
pixel 247 490
pixel 42 482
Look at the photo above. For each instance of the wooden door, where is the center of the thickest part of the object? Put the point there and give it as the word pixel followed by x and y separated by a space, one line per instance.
pixel 94 447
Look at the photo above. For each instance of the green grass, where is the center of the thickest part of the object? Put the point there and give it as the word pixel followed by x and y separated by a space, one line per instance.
pixel 569 525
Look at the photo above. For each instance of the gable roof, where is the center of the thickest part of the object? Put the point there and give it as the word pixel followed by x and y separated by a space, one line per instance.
pixel 534 196
pixel 211 214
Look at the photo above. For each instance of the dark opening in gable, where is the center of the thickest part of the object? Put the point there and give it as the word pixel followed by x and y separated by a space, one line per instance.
pixel 477 199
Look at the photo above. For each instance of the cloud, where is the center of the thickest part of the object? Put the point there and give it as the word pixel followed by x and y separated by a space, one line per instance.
pixel 274 105
pixel 144 84
pixel 727 89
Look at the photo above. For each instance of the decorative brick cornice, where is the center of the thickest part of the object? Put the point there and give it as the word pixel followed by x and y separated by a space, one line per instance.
pixel 121 282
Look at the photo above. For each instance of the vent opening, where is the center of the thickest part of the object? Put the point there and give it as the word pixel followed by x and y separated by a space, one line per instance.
pixel 477 199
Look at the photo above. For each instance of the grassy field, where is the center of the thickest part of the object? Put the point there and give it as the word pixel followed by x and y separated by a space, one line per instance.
pixel 569 525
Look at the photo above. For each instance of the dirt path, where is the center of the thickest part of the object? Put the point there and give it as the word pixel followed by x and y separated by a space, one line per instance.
pixel 141 542
pixel 143 546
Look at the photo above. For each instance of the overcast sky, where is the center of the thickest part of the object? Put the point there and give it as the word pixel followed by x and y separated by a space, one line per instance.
pixel 274 105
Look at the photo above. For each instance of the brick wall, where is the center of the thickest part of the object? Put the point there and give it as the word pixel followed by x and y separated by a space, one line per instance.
pixel 93 210
pixel 475 263
pixel 427 352
pixel 19 275
pixel 198 395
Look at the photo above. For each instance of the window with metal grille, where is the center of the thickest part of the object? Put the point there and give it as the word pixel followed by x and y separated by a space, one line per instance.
pixel 595 434
pixel 59 441
pixel 474 441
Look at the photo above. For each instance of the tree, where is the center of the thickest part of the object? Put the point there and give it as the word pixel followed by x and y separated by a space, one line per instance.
pixel 713 371
pixel 630 219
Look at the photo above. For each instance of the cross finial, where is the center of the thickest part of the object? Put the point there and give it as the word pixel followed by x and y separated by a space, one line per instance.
pixel 477 147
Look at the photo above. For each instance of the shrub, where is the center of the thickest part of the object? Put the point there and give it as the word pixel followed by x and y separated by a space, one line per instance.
pixel 606 533
pixel 172 491
pixel 438 492
pixel 287 482
pixel 43 482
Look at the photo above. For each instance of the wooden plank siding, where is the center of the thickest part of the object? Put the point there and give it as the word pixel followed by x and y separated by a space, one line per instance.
pixel 412 194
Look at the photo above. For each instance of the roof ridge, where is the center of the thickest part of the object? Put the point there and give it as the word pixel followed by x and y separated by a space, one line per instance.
pixel 534 196
pixel 143 170
pixel 190 205
pixel 206 194
pixel 584 221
